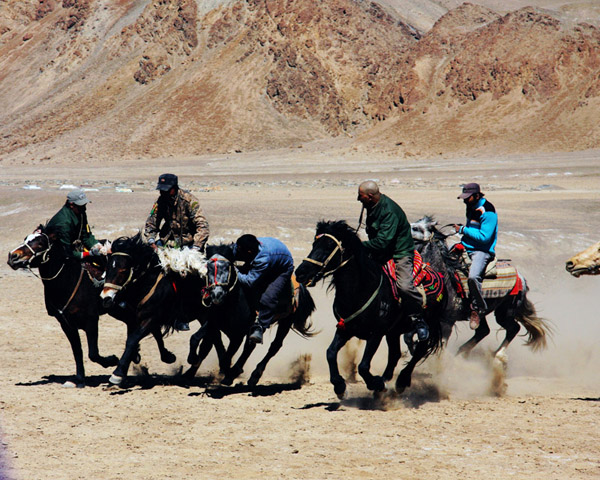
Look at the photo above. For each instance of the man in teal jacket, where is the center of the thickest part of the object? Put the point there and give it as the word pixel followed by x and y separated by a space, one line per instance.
pixel 71 225
pixel 479 237
pixel 390 237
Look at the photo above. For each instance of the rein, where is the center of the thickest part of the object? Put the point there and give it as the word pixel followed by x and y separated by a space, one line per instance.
pixel 342 322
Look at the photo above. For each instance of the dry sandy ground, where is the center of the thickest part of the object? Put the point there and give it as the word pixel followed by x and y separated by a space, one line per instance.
pixel 447 426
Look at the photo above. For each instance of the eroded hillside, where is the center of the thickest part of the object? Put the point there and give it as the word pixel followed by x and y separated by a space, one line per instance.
pixel 86 79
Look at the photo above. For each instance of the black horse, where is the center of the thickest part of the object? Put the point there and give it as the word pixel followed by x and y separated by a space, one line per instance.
pixel 158 299
pixel 229 311
pixel 510 309
pixel 71 292
pixel 364 306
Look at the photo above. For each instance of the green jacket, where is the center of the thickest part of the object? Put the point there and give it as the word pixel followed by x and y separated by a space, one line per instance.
pixel 389 231
pixel 70 228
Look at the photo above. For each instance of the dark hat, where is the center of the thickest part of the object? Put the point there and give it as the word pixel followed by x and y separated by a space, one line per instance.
pixel 166 181
pixel 78 197
pixel 470 189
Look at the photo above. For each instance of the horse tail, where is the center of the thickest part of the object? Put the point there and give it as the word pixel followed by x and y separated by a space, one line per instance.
pixel 537 328
pixel 302 323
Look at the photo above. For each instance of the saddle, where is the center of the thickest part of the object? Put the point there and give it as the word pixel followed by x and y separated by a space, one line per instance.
pixel 427 281
pixel 501 277
pixel 288 300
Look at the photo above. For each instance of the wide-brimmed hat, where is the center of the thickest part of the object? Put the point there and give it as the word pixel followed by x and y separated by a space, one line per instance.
pixel 166 182
pixel 78 197
pixel 470 189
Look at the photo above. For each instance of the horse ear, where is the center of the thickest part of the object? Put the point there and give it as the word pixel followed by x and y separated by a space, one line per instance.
pixel 38 229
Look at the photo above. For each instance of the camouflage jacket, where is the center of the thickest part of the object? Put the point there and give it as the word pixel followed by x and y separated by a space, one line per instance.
pixel 73 231
pixel 177 224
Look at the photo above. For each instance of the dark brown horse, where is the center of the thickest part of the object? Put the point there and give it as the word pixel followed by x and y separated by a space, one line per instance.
pixel 158 296
pixel 71 294
pixel 364 306
pixel 229 311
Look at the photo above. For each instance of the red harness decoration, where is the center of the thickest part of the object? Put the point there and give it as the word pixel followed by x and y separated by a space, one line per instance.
pixel 174 286
pixel 518 286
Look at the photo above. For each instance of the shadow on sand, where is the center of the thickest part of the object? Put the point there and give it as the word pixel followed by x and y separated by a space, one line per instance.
pixel 143 382
pixel 221 391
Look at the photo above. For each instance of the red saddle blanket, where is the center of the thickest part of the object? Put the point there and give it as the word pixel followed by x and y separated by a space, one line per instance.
pixel 424 277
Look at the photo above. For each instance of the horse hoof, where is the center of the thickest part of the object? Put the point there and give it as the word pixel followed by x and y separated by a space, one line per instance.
pixel 227 381
pixel 115 379
pixel 169 358
pixel 70 384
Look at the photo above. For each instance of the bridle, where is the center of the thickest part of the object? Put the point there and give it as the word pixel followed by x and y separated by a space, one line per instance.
pixel 43 253
pixel 324 272
pixel 228 288
pixel 34 254
pixel 114 286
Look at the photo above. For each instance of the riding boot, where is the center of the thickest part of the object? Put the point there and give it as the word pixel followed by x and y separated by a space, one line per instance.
pixel 256 333
pixel 420 327
pixel 182 326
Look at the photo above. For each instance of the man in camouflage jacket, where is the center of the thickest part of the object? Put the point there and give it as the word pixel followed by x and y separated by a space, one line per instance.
pixel 176 219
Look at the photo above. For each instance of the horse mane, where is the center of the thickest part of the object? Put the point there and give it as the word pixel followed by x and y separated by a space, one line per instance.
pixel 133 246
pixel 223 249
pixel 183 262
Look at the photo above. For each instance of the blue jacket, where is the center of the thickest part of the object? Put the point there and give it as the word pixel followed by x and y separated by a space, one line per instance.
pixel 273 260
pixel 481 231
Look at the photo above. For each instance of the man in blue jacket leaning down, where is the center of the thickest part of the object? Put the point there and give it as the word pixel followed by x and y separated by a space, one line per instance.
pixel 479 237
pixel 267 270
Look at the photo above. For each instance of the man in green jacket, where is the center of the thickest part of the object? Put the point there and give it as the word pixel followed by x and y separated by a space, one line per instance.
pixel 72 228
pixel 390 237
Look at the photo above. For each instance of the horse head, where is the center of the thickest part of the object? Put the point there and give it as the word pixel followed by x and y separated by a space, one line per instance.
pixel 33 251
pixel 221 274
pixel 129 258
pixel 424 229
pixel 586 262
pixel 334 245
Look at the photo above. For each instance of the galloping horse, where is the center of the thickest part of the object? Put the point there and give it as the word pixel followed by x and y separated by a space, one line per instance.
pixel 364 306
pixel 230 312
pixel 134 276
pixel 586 262
pixel 70 294
pixel 510 309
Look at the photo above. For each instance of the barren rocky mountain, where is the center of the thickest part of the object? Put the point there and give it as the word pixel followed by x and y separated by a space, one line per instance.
pixel 89 79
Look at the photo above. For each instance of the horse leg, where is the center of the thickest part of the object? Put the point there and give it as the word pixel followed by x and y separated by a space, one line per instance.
pixel 507 321
pixel 482 331
pixel 195 339
pixel 91 333
pixel 238 368
pixel 283 328
pixel 338 382
pixel 394 354
pixel 404 377
pixel 373 382
pixel 166 355
pixel 75 342
pixel 131 347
